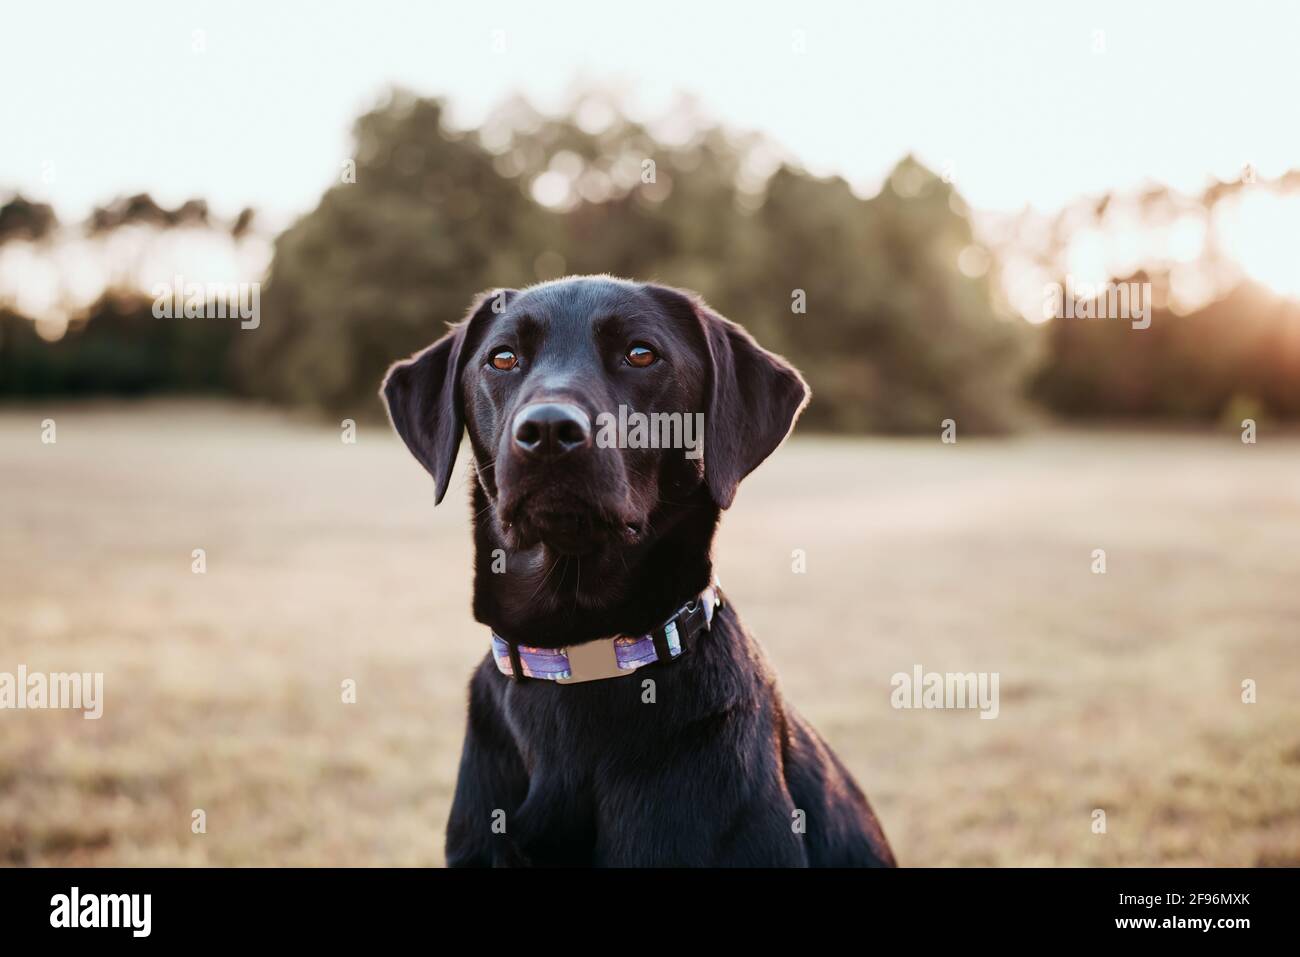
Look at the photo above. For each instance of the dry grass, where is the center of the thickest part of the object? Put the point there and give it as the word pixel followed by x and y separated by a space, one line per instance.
pixel 327 561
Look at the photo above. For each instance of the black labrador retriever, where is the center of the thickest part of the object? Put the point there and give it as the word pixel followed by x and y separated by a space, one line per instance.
pixel 593 563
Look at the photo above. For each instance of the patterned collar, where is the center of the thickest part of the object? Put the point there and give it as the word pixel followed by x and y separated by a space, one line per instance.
pixel 610 657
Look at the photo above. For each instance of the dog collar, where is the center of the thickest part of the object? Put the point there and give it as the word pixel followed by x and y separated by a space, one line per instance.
pixel 610 657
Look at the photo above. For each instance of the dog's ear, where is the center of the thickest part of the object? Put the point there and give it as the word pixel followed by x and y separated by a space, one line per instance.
pixel 423 394
pixel 752 399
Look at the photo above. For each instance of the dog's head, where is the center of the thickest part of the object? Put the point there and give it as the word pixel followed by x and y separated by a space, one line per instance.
pixel 570 391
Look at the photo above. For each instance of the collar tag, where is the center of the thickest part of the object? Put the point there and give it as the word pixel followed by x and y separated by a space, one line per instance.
pixel 592 662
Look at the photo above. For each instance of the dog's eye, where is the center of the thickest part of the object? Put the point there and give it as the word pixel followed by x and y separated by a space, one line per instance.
pixel 504 359
pixel 640 355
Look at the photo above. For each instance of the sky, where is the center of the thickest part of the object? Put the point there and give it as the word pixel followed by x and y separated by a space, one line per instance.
pixel 1018 103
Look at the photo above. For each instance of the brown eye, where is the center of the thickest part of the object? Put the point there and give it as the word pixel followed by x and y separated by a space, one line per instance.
pixel 505 360
pixel 640 356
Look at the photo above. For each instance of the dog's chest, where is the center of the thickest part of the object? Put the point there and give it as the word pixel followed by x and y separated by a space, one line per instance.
pixel 580 727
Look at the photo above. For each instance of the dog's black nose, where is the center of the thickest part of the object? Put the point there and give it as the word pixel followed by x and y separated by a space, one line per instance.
pixel 549 429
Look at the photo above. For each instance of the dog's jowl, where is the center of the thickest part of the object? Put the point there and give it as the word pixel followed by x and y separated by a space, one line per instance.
pixel 622 715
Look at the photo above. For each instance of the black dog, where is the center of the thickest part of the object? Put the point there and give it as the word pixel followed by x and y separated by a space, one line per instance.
pixel 699 761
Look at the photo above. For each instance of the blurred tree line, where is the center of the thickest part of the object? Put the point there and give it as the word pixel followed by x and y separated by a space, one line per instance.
pixel 889 305
pixel 865 296
pixel 114 344
pixel 1237 356
pixel 119 348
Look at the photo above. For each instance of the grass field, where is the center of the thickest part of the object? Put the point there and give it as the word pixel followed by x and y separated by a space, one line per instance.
pixel 327 561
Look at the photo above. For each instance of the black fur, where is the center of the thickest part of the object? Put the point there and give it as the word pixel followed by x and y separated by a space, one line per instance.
pixel 613 541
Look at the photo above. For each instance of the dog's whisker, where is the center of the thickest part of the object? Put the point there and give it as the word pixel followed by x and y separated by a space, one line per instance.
pixel 545 578
pixel 577 585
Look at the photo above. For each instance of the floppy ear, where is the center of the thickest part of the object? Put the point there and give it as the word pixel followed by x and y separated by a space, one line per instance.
pixel 753 399
pixel 423 397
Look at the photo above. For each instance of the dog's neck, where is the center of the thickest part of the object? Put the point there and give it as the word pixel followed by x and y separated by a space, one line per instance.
pixel 543 598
